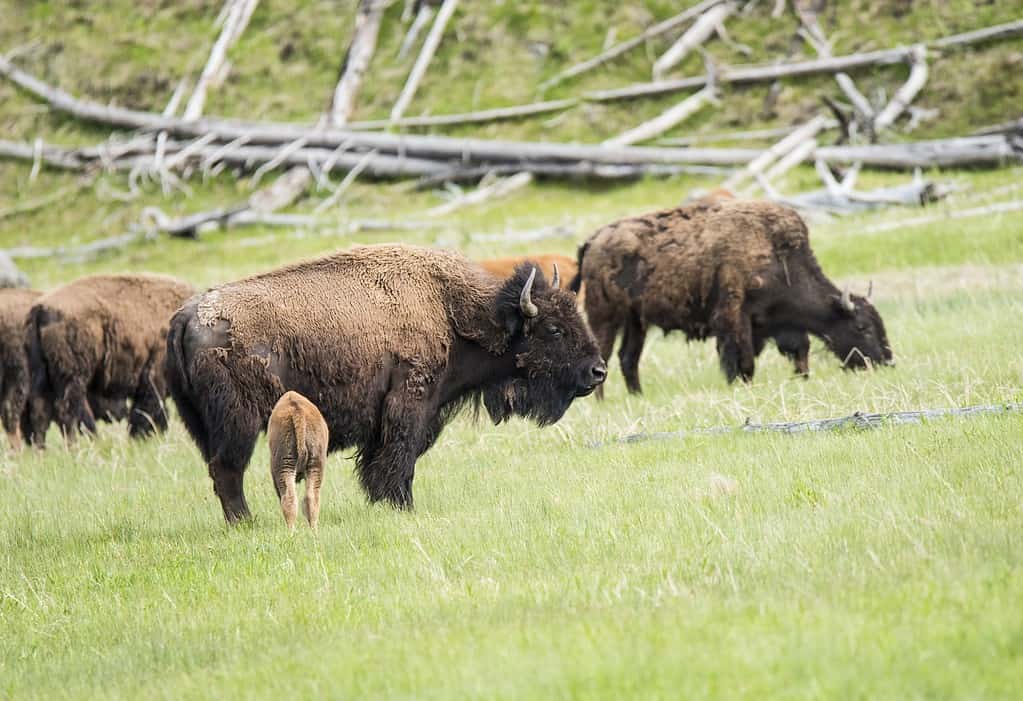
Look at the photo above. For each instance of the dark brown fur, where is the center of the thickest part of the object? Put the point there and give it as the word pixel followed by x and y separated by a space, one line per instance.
pixel 14 381
pixel 298 438
pixel 388 341
pixel 739 271
pixel 101 336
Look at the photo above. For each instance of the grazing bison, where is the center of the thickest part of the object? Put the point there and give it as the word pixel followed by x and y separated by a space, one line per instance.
pixel 389 342
pixel 14 381
pixel 298 438
pixel 505 267
pixel 96 342
pixel 740 271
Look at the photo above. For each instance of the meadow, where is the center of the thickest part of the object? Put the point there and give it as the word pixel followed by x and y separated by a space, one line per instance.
pixel 877 564
pixel 557 562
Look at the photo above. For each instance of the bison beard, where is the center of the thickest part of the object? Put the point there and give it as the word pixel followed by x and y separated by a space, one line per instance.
pixel 389 342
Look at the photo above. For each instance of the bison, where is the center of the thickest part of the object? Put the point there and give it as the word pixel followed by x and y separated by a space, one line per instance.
pixel 14 382
pixel 298 438
pixel 95 343
pixel 389 341
pixel 547 262
pixel 740 271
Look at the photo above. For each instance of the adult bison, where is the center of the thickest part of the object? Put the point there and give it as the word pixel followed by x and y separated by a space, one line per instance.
pixel 740 271
pixel 95 343
pixel 389 342
pixel 14 380
pixel 547 262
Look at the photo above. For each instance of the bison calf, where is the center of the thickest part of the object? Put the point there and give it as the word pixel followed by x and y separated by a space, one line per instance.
pixel 552 265
pixel 739 271
pixel 298 439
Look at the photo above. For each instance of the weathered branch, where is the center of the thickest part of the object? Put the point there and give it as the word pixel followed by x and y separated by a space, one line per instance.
pixel 835 64
pixel 619 49
pixel 578 171
pixel 237 18
pixel 666 120
pixel 491 115
pixel 498 189
pixel 858 420
pixel 966 151
pixel 782 147
pixel 422 18
pixel 704 26
pixel 423 61
pixel 353 69
pixel 904 96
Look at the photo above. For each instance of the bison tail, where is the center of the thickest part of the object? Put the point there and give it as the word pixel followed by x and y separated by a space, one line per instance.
pixel 179 384
pixel 576 283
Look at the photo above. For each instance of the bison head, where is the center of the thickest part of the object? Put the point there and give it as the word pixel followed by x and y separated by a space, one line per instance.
pixel 556 357
pixel 857 335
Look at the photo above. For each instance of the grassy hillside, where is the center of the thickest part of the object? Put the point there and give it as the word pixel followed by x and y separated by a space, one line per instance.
pixel 880 564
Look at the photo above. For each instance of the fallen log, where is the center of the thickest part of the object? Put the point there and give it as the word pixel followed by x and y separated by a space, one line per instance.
pixel 841 198
pixel 423 61
pixel 704 26
pixel 495 190
pixel 423 16
pixel 752 135
pixel 491 115
pixel 763 160
pixel 422 147
pixel 970 213
pixel 356 61
pixel 905 94
pixel 238 13
pixel 578 171
pixel 666 120
pixel 619 49
pixel 834 64
pixel 966 151
pixel 858 420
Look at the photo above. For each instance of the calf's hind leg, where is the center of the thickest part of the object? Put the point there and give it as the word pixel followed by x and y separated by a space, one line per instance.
pixel 314 479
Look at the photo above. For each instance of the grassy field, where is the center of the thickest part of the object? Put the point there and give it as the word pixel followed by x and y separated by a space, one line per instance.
pixel 861 564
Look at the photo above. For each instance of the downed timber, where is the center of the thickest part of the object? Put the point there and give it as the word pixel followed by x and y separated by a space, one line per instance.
pixel 704 26
pixel 237 13
pixel 48 155
pixel 423 16
pixel 430 45
pixel 905 94
pixel 841 199
pixel 807 131
pixel 756 74
pixel 834 64
pixel 965 151
pixel 491 115
pixel 495 190
pixel 619 49
pixel 356 61
pixel 666 120
pixel 752 135
pixel 578 171
pixel 970 213
pixel 421 147
pixel 858 420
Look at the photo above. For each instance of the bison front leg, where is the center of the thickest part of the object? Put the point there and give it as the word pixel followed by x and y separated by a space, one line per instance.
pixel 734 331
pixel 147 411
pixel 795 345
pixel 386 468
pixel 628 354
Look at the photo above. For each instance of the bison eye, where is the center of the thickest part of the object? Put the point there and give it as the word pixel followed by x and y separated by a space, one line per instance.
pixel 554 330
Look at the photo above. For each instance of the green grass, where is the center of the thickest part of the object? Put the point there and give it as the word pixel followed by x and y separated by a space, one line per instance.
pixel 880 564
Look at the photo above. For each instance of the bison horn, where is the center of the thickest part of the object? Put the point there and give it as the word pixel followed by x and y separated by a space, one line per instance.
pixel 847 303
pixel 556 280
pixel 525 303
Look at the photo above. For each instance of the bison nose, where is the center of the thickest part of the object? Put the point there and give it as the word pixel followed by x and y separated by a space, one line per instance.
pixel 598 372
